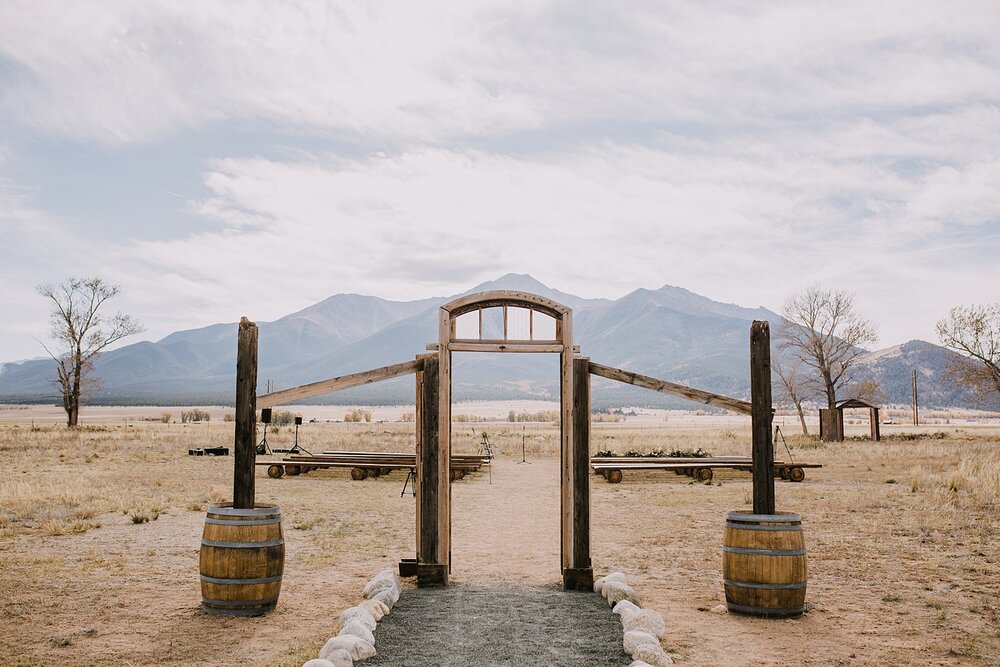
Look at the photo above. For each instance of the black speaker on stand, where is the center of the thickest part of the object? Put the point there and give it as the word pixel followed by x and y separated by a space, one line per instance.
pixel 298 423
pixel 265 418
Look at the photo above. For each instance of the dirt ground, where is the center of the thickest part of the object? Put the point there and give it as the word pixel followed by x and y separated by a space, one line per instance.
pixel 100 530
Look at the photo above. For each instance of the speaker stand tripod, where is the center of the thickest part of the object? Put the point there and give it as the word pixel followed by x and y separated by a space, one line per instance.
pixel 523 458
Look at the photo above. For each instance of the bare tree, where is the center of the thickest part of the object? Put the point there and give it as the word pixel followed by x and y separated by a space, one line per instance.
pixel 974 331
pixel 869 391
pixel 792 386
pixel 821 329
pixel 82 333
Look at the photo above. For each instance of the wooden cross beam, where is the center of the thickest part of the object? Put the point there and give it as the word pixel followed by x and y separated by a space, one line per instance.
pixel 671 388
pixel 336 384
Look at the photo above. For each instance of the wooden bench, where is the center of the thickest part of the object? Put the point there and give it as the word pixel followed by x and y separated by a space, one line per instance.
pixel 699 468
pixel 365 464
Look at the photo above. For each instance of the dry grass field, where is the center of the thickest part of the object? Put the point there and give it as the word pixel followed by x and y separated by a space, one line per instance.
pixel 100 530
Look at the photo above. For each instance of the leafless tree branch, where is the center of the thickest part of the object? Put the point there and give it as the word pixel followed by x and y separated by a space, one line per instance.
pixel 974 332
pixel 822 331
pixel 83 332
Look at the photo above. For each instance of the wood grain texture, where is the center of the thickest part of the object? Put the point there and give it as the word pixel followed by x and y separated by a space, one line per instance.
pixel 500 298
pixel 762 449
pixel 448 343
pixel 428 473
pixel 336 384
pixel 764 564
pixel 244 444
pixel 570 512
pixel 568 475
pixel 581 570
pixel 242 560
pixel 525 346
pixel 442 448
pixel 672 388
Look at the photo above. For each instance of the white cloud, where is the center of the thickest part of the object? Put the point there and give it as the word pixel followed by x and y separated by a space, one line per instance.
pixel 739 150
pixel 608 218
pixel 136 71
pixel 437 71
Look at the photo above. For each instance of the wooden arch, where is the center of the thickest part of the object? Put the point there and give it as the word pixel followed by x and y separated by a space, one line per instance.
pixel 434 439
pixel 433 422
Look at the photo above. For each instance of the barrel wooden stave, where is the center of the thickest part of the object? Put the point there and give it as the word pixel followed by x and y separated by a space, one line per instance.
pixel 242 560
pixel 764 564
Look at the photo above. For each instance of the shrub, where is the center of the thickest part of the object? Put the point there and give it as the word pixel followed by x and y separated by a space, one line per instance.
pixel 544 416
pixel 165 417
pixel 143 516
pixel 358 415
pixel 282 418
pixel 195 415
pixel 465 419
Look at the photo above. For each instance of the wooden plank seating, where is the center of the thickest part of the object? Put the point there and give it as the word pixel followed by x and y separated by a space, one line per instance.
pixel 366 464
pixel 699 468
pixel 669 459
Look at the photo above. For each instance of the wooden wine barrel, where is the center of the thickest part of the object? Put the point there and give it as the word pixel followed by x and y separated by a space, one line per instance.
pixel 242 560
pixel 764 564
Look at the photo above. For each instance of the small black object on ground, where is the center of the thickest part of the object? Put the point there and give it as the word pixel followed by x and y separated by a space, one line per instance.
pixel 407 567
pixel 209 451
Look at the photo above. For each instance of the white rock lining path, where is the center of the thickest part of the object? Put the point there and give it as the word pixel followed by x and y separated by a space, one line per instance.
pixel 462 625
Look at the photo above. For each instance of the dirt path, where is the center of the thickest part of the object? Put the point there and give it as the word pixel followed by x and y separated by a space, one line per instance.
pixel 466 625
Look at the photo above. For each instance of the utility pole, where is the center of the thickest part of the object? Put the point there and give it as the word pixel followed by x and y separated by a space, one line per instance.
pixel 913 400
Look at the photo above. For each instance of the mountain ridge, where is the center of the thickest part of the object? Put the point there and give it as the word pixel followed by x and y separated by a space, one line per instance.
pixel 669 332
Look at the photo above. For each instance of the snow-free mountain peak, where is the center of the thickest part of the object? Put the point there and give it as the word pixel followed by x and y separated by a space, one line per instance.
pixel 522 282
pixel 670 332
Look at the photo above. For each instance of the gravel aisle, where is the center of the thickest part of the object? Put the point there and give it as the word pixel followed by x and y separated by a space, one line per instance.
pixel 466 625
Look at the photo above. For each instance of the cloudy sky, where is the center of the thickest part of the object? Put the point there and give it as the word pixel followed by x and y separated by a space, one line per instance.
pixel 218 159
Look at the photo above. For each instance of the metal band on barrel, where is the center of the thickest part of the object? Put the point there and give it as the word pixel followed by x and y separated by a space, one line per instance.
pixel 750 526
pixel 777 587
pixel 256 511
pixel 764 552
pixel 252 522
pixel 239 582
pixel 243 545
pixel 763 518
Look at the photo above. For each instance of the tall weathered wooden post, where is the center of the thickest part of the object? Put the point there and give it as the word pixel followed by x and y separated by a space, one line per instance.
pixel 244 445
pixel 432 556
pixel 764 554
pixel 580 574
pixel 242 547
pixel 761 418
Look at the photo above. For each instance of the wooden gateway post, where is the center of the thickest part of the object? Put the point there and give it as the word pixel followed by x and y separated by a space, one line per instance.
pixel 244 445
pixel 242 547
pixel 434 484
pixel 761 418
pixel 763 553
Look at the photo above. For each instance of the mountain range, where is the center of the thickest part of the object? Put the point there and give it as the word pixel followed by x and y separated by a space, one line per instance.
pixel 670 333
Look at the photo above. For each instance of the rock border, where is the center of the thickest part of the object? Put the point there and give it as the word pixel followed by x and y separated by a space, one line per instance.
pixel 643 628
pixel 356 640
